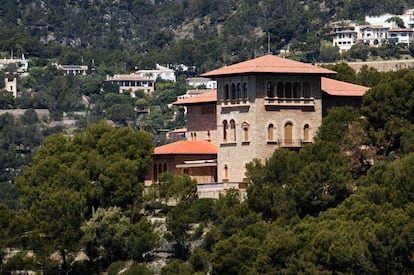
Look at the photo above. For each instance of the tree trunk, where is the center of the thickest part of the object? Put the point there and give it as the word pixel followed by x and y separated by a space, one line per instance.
pixel 64 264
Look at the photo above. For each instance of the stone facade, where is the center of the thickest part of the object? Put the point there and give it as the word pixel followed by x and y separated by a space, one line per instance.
pixel 260 105
pixel 267 111
pixel 385 65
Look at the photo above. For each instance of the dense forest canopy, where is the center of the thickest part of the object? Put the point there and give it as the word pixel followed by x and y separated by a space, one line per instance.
pixel 199 33
pixel 341 204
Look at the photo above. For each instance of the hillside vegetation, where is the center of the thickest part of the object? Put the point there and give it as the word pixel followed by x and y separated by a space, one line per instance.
pixel 341 205
pixel 334 207
pixel 201 33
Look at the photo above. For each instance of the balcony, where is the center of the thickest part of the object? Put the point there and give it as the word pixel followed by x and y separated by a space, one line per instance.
pixel 292 143
pixel 241 102
pixel 289 103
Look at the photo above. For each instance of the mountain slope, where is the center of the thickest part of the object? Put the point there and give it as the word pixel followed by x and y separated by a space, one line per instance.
pixel 234 29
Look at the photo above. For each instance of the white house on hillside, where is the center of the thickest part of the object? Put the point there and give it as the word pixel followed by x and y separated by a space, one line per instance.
pixel 345 39
pixel 372 35
pixel 130 83
pixel 73 69
pixel 201 81
pixel 401 36
pixel 21 64
pixel 407 17
pixel 379 30
pixel 160 72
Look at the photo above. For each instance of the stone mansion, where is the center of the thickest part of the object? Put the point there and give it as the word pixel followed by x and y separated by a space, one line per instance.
pixel 260 105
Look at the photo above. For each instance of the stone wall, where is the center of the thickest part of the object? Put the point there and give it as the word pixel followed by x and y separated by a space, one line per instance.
pixel 235 153
pixel 384 66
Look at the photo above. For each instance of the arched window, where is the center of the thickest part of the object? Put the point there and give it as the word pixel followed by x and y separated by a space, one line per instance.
pixel 288 90
pixel 280 90
pixel 233 130
pixel 159 168
pixel 155 172
pixel 238 91
pixel 226 92
pixel 269 89
pixel 296 90
pixel 306 90
pixel 288 133
pixel 245 127
pixel 225 128
pixel 246 134
pixel 195 136
pixel 226 171
pixel 270 132
pixel 306 133
pixel 245 91
pixel 233 91
pixel 164 168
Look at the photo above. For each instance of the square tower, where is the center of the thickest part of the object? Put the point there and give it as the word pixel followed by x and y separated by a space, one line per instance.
pixel 10 84
pixel 263 104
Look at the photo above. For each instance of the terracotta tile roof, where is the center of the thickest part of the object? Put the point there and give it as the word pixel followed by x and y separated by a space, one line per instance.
pixel 210 96
pixel 186 147
pixel 346 31
pixel 269 64
pixel 401 30
pixel 339 88
pixel 373 27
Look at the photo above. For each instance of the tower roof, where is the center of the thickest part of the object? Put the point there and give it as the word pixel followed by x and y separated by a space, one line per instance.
pixel 269 64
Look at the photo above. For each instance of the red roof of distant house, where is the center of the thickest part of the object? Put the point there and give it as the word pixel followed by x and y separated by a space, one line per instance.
pixel 373 27
pixel 339 88
pixel 186 147
pixel 346 31
pixel 269 64
pixel 206 97
pixel 401 30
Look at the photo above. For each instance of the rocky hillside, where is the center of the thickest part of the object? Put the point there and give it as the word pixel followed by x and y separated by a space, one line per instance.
pixel 216 29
